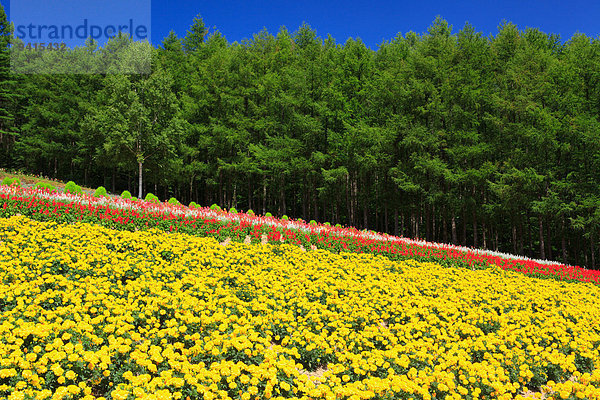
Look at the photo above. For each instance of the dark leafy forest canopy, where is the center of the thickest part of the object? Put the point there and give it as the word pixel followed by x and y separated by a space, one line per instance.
pixel 447 136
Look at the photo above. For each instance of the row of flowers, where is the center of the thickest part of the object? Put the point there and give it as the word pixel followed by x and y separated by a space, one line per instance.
pixel 118 213
pixel 87 312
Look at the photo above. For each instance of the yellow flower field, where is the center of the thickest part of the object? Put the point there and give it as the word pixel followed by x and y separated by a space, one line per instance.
pixel 87 312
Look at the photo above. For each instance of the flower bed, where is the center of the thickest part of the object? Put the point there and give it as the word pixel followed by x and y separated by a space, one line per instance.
pixel 89 312
pixel 126 214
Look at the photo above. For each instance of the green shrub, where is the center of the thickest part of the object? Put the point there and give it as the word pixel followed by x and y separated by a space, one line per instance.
pixel 232 210
pixel 327 224
pixel 134 198
pixel 285 218
pixel 215 207
pixel 250 212
pixel 11 181
pixel 338 226
pixel 73 188
pixel 313 222
pixel 268 214
pixel 150 198
pixel 173 201
pixel 126 194
pixel 100 192
pixel 44 185
pixel 193 204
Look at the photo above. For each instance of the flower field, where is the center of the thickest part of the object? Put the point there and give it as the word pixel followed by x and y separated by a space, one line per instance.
pixel 124 214
pixel 92 312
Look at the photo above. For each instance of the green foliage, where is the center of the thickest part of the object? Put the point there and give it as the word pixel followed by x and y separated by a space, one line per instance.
pixel 126 194
pixel 150 198
pixel 100 192
pixel 250 212
pixel 44 185
pixel 7 181
pixel 195 35
pixel 338 225
pixel 173 201
pixel 327 224
pixel 193 204
pixel 285 218
pixel 268 214
pixel 73 188
pixel 215 207
pixel 232 210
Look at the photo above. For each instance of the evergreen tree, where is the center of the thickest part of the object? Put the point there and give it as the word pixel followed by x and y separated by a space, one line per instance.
pixel 8 92
pixel 195 35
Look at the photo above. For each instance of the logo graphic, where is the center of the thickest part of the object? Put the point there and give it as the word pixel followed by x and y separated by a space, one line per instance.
pixel 67 36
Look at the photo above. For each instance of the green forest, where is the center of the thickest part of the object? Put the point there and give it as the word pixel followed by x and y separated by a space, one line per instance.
pixel 448 136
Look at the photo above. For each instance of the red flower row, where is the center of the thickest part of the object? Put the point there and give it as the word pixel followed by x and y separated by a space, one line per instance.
pixel 131 215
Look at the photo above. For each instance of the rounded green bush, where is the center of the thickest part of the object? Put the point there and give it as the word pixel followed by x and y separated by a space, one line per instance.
pixel 173 200
pixel 338 226
pixel 232 210
pixel 285 218
pixel 313 222
pixel 100 192
pixel 250 212
pixel 44 185
pixel 193 204
pixel 7 181
pixel 134 198
pixel 215 207
pixel 150 198
pixel 327 224
pixel 268 214
pixel 73 188
pixel 126 194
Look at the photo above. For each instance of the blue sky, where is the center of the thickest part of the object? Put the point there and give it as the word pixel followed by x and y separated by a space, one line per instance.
pixel 373 21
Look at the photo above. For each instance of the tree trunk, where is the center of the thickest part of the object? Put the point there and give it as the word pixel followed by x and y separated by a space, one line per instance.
pixel 496 245
pixel 563 240
pixel 444 226
pixel 114 179
pixel 395 221
pixel 514 238
pixel 386 227
pixel 474 228
pixel 454 236
pixel 234 198
pixel 304 201
pixel 264 196
pixel 433 232
pixel 483 231
pixel 249 194
pixel 521 249
pixel 427 223
pixel 549 241
pixel 542 249
pixel 464 227
pixel 140 165
pixel 313 190
pixel 593 250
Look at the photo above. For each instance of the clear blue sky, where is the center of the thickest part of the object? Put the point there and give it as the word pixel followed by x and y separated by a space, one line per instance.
pixel 373 21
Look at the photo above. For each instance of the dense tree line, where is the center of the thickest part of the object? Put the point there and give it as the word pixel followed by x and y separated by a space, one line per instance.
pixel 454 137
